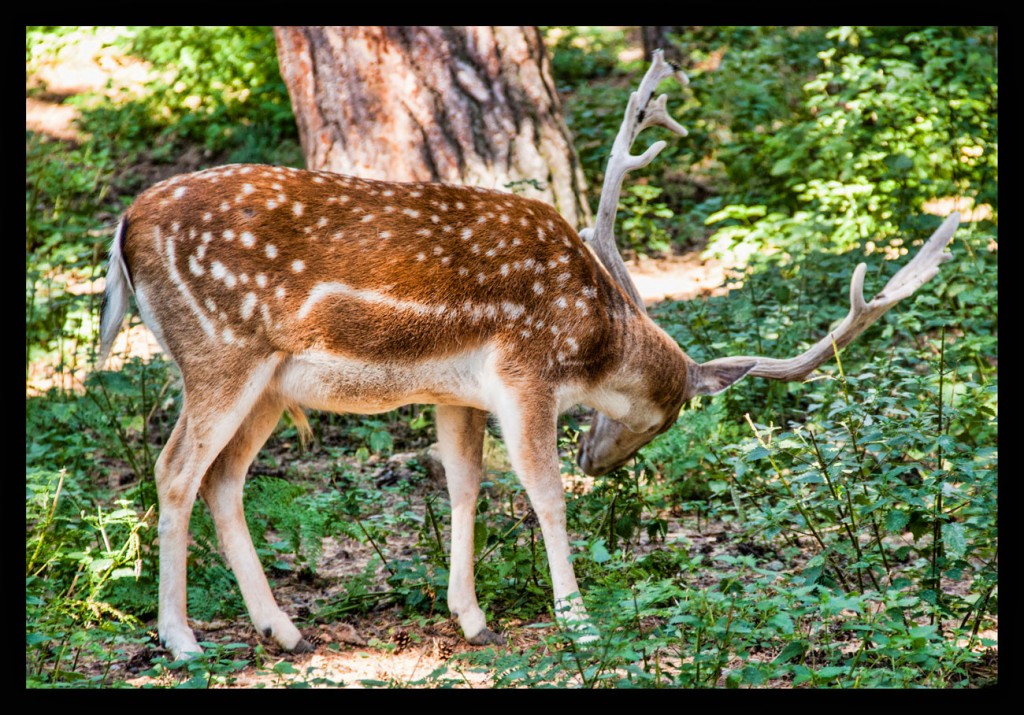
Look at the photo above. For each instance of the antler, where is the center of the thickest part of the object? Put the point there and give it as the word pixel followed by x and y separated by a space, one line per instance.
pixel 921 269
pixel 640 114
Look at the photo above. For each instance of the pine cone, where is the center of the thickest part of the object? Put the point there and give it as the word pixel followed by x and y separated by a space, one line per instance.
pixel 401 641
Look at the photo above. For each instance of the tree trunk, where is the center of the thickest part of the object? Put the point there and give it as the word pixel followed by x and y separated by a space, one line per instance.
pixel 657 37
pixel 469 105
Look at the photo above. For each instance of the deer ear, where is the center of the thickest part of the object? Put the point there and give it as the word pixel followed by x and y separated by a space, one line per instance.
pixel 712 377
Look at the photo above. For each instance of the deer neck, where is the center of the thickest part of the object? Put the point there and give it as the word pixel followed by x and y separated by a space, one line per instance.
pixel 646 380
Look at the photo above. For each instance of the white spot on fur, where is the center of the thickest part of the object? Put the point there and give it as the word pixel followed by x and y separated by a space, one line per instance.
pixel 367 218
pixel 512 310
pixel 321 222
pixel 179 192
pixel 248 305
pixel 421 256
pixel 207 216
pixel 261 280
pixel 563 277
pixel 229 235
pixel 480 278
pixel 298 266
pixel 384 235
pixel 560 302
pixel 504 218
pixel 248 189
pixel 210 305
pixel 271 204
pixel 423 232
pixel 224 206
pixel 504 269
pixel 466 233
pixel 279 292
pixel 590 292
pixel 413 213
pixel 195 267
pixel 297 208
pixel 218 270
pixel 538 288
pixel 248 240
pixel 459 205
pixel 270 250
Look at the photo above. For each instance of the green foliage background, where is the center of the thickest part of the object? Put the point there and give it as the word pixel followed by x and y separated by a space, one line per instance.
pixel 859 509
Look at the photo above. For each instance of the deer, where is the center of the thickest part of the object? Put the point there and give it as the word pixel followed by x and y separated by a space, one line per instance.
pixel 279 290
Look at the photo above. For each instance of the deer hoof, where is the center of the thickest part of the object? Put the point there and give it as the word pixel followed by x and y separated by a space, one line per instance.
pixel 303 646
pixel 487 637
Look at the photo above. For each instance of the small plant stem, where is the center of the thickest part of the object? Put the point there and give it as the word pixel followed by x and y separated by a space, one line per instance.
pixel 799 506
pixel 848 525
pixel 373 543
pixel 437 531
pixel 611 521
pixel 937 515
pixel 49 521
pixel 504 536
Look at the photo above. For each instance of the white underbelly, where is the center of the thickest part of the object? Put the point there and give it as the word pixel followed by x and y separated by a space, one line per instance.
pixel 338 383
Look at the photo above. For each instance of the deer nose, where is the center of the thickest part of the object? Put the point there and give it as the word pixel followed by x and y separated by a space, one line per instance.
pixel 581 457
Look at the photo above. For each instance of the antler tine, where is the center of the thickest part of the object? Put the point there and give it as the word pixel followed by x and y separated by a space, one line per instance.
pixel 921 269
pixel 640 113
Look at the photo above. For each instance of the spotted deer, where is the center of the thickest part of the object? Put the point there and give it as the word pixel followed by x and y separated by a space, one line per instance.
pixel 276 290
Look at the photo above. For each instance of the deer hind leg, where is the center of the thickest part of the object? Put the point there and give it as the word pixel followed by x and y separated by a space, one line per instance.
pixel 209 419
pixel 460 437
pixel 221 489
pixel 530 430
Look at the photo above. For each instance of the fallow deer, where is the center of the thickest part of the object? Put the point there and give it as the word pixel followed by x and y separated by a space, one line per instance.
pixel 276 289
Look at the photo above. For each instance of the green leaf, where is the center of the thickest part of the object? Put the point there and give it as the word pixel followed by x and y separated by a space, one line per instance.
pixel 896 521
pixel 480 532
pixel 783 622
pixel 598 552
pixel 793 650
pixel 954 539
pixel 757 452
pixel 285 668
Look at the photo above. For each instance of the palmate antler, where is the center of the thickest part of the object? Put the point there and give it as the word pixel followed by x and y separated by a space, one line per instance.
pixel 921 269
pixel 641 113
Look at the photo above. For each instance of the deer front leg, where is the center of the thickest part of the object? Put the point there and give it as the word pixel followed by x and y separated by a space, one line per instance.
pixel 460 437
pixel 529 426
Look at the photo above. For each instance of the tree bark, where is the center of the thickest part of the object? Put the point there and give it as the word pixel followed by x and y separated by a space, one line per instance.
pixel 470 105
pixel 656 37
